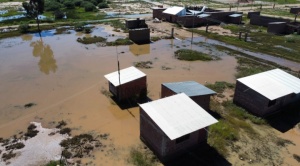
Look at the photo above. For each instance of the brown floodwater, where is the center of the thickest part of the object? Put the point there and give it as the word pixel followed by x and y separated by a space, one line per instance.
pixel 64 79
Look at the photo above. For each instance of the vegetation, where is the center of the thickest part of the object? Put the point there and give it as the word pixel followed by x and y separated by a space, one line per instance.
pixel 140 157
pixel 8 156
pixel 33 9
pixel 91 40
pixel 125 41
pixel 65 131
pixel 143 64
pixel 18 145
pixel 220 86
pixel 61 124
pixel 262 42
pixel 296 157
pixel 31 132
pixel 192 55
pixel 55 163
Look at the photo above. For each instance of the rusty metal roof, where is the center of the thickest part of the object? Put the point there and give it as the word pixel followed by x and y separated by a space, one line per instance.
pixel 126 75
pixel 190 88
pixel 178 115
pixel 273 84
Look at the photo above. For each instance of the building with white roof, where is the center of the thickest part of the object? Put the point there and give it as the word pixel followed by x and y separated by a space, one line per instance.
pixel 197 92
pixel 171 13
pixel 173 124
pixel 266 93
pixel 127 83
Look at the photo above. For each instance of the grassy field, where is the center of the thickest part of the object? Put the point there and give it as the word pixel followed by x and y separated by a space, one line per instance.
pixel 192 55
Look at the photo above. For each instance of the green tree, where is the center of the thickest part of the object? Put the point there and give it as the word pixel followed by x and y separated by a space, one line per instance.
pixel 33 9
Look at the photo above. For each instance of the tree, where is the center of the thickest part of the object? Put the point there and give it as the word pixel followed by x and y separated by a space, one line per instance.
pixel 33 9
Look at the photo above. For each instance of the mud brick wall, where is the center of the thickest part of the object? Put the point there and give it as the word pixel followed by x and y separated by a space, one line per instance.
pixel 277 28
pixel 255 103
pixel 140 36
pixel 137 87
pixel 161 144
pixel 169 17
pixel 250 14
pixel 235 20
pixel 295 10
pixel 264 21
pixel 157 13
pixel 138 23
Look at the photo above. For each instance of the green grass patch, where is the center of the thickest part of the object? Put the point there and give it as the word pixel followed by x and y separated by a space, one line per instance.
pixel 91 40
pixel 262 42
pixel 220 86
pixel 247 67
pixel 278 12
pixel 117 24
pixel 192 55
pixel 125 41
pixel 55 163
pixel 140 157
pixel 282 1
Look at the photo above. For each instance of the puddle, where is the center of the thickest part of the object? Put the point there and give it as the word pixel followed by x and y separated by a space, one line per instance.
pixel 64 79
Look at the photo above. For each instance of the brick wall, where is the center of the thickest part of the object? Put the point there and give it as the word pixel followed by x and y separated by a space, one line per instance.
pixel 250 14
pixel 157 13
pixel 137 23
pixel 278 28
pixel 137 87
pixel 255 103
pixel 295 10
pixel 160 143
pixel 140 36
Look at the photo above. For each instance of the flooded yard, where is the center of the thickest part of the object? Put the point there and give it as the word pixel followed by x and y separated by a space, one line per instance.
pixel 64 79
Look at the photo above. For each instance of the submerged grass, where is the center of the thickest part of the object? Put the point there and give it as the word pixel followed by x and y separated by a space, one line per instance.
pixel 192 55
pixel 140 157
pixel 220 86
pixel 91 40
pixel 125 41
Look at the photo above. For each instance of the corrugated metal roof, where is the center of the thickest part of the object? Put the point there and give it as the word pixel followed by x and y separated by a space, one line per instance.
pixel 178 115
pixel 235 15
pixel 126 75
pixel 173 10
pixel 190 88
pixel 273 84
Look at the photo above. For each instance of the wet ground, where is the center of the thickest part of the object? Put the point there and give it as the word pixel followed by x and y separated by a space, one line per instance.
pixel 64 79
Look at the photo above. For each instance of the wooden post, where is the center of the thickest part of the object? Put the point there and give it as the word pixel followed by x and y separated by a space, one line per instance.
pixel 206 30
pixel 172 33
pixel 229 7
pixel 240 35
pixel 246 35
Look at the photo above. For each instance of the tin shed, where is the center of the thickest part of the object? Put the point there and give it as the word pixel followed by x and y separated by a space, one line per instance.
pixel 171 125
pixel 131 82
pixel 266 93
pixel 171 14
pixel 197 92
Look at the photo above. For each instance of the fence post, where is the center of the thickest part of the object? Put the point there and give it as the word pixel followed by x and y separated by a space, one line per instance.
pixel 172 33
pixel 246 35
pixel 240 35
pixel 206 30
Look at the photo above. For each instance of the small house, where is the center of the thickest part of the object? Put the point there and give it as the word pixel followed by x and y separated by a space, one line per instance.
pixel 268 92
pixel 171 125
pixel 171 14
pixel 197 92
pixel 127 83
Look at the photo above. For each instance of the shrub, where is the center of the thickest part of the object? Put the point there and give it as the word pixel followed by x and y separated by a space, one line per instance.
pixel 23 28
pixel 52 6
pixel 88 7
pixel 66 154
pixel 78 2
pixel 65 131
pixel 87 29
pixel 103 5
pixel 58 14
pixel 79 26
pixel 69 4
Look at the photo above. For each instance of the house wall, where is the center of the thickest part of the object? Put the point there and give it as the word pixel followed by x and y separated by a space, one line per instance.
pixel 140 36
pixel 137 88
pixel 169 17
pixel 235 20
pixel 161 144
pixel 250 14
pixel 257 104
pixel 295 10
pixel 137 23
pixel 157 13
pixel 264 21
pixel 203 100
pixel 278 28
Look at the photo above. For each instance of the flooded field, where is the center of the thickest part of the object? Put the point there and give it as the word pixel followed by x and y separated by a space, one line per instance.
pixel 64 79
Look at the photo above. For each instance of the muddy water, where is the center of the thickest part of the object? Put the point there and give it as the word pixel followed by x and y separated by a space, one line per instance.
pixel 64 79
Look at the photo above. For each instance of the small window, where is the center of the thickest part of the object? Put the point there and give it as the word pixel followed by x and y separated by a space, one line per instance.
pixel 183 138
pixel 271 103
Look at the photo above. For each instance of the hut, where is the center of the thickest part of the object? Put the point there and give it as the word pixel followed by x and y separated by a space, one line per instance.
pixel 172 125
pixel 267 93
pixel 127 83
pixel 197 92
pixel 171 14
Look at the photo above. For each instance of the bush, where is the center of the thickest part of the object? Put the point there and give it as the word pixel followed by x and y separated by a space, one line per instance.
pixel 65 131
pixel 87 29
pixel 79 26
pixel 58 14
pixel 69 4
pixel 52 6
pixel 78 2
pixel 192 55
pixel 102 5
pixel 88 7
pixel 23 28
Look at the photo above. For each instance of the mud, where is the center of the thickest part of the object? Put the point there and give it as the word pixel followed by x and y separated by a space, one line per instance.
pixel 64 79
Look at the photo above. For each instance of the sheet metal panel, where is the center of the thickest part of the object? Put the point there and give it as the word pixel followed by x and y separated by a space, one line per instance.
pixel 174 10
pixel 178 115
pixel 126 75
pixel 190 88
pixel 273 84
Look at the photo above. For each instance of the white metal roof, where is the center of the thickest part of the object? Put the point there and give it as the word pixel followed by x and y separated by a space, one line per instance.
pixel 178 115
pixel 273 84
pixel 126 75
pixel 173 10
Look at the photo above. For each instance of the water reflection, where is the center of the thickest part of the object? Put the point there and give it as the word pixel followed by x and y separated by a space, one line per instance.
pixel 136 49
pixel 47 62
pixel 26 37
